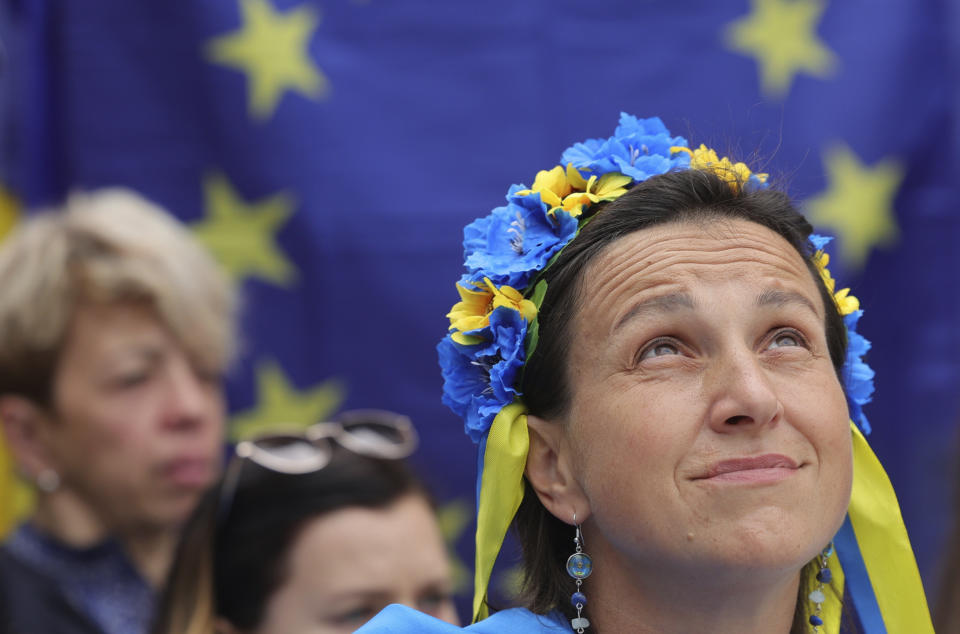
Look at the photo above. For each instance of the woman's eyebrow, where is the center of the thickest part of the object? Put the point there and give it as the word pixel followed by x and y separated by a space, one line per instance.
pixel 780 298
pixel 669 303
pixel 359 595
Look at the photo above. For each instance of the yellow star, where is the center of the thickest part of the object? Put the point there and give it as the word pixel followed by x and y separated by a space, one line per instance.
pixel 858 204
pixel 454 517
pixel 272 48
pixel 780 35
pixel 8 211
pixel 241 235
pixel 281 405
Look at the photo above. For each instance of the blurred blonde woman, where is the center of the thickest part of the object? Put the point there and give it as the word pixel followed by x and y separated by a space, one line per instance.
pixel 116 331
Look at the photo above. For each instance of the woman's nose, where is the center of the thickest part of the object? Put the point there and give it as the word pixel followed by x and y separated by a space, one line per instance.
pixel 741 394
pixel 189 397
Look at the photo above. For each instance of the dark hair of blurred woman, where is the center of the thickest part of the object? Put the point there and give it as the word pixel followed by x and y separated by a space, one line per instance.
pixel 241 549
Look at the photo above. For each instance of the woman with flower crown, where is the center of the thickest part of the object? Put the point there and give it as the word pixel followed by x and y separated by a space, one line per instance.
pixel 665 387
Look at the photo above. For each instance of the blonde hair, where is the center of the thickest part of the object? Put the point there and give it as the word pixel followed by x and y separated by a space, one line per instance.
pixel 103 247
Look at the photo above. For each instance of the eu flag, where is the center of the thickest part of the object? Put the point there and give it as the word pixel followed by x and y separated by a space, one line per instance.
pixel 329 153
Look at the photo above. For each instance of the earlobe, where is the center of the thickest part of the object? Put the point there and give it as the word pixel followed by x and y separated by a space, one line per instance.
pixel 550 473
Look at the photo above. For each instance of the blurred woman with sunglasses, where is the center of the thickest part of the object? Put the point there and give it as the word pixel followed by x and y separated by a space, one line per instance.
pixel 311 532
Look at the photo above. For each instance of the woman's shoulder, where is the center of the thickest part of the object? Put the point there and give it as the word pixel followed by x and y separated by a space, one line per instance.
pixel 398 619
pixel 30 601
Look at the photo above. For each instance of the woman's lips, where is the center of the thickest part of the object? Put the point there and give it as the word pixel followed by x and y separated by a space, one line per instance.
pixel 189 472
pixel 766 468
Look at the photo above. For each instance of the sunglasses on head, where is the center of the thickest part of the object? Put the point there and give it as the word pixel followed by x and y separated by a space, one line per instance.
pixel 368 432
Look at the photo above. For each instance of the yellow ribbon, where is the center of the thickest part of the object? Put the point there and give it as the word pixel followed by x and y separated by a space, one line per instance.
pixel 884 545
pixel 501 491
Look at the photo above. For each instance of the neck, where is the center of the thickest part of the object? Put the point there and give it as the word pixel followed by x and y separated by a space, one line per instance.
pixel 717 601
pixel 67 519
pixel 151 551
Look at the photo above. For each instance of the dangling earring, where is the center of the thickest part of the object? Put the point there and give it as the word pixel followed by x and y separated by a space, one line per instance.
pixel 48 480
pixel 579 566
pixel 817 596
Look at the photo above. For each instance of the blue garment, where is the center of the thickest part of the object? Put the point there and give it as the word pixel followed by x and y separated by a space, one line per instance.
pixel 99 582
pixel 399 619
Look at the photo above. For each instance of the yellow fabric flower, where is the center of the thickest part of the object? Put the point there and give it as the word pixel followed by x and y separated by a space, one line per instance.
pixel 552 185
pixel 567 189
pixel 704 158
pixel 610 186
pixel 821 260
pixel 846 303
pixel 473 310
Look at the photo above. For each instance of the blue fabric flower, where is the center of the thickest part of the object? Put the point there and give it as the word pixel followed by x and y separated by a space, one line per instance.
pixel 639 148
pixel 755 183
pixel 480 379
pixel 515 241
pixel 857 375
pixel 819 241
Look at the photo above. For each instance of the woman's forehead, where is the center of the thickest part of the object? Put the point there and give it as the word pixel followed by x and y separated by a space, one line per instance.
pixel 693 252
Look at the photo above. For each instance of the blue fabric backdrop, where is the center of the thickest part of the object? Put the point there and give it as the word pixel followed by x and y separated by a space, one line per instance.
pixel 330 153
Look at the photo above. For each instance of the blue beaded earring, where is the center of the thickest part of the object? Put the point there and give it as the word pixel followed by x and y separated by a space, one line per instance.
pixel 579 566
pixel 817 596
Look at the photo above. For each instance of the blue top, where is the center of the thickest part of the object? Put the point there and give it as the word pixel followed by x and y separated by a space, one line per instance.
pixel 399 619
pixel 99 582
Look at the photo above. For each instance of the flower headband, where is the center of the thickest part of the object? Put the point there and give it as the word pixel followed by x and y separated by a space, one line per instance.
pixel 494 328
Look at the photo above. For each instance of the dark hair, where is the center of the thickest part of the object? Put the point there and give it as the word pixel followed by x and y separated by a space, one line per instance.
pixel 682 196
pixel 231 560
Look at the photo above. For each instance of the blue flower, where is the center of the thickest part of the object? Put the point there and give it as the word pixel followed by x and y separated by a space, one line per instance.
pixel 755 183
pixel 857 375
pixel 515 241
pixel 480 379
pixel 819 241
pixel 639 148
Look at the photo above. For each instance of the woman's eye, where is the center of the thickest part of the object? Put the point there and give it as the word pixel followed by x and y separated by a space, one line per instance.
pixel 211 377
pixel 438 604
pixel 130 379
pixel 360 615
pixel 659 349
pixel 786 339
pixel 431 601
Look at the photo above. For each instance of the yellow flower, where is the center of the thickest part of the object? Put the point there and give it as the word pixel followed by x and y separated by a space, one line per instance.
pixel 704 158
pixel 846 303
pixel 610 186
pixel 473 310
pixel 552 185
pixel 566 189
pixel 821 260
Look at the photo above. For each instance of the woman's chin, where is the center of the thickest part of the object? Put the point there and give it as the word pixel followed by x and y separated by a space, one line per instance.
pixel 762 543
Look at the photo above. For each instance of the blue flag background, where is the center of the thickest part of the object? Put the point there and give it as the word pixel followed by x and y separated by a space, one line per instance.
pixel 330 152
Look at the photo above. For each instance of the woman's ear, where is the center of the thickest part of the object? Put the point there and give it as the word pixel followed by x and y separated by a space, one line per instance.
pixel 23 422
pixel 550 471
